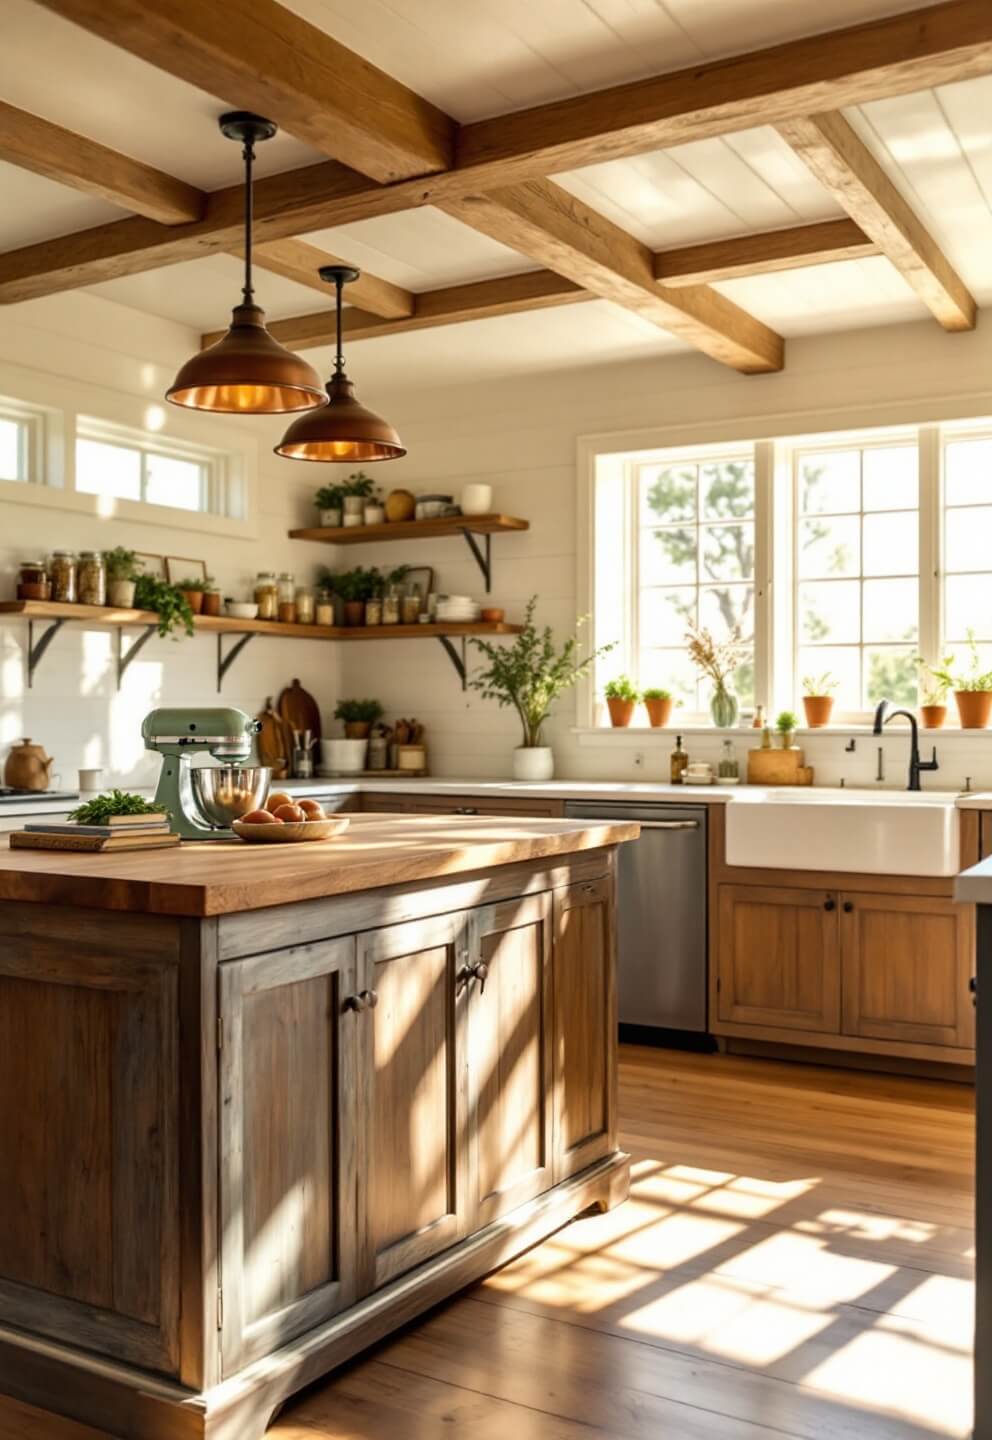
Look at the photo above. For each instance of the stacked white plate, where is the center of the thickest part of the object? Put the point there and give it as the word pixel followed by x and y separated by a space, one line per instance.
pixel 457 608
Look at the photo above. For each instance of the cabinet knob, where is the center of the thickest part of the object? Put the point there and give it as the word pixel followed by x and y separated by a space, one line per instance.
pixel 371 999
pixel 466 810
pixel 479 971
pixel 829 905
pixel 366 1000
pixel 848 906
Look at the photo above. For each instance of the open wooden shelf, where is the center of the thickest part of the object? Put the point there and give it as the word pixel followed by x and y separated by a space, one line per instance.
pixel 411 529
pixel 58 613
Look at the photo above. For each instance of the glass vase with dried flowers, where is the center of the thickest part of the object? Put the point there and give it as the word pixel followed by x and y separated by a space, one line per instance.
pixel 717 660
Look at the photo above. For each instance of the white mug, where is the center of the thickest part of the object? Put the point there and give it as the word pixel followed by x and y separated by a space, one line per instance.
pixel 89 779
pixel 476 499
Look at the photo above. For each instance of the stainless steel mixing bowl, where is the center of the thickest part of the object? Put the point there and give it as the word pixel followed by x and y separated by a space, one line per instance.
pixel 226 792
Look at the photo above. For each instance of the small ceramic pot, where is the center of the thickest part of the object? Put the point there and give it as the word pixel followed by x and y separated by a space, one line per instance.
pixel 343 757
pixel 818 710
pixel 194 599
pixel 533 762
pixel 120 594
pixel 374 514
pixel 357 729
pixel 933 716
pixel 354 509
pixel 974 708
pixel 476 499
pixel 354 612
pixel 211 602
pixel 621 712
pixel 659 713
pixel 786 738
pixel 331 517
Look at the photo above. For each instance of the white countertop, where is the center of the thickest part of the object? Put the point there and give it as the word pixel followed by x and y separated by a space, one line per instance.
pixel 974 886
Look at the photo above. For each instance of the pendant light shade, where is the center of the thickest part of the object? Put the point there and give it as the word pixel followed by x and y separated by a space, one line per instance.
pixel 342 430
pixel 247 372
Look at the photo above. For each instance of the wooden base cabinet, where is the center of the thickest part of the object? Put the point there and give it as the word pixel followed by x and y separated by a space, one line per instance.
pixel 778 961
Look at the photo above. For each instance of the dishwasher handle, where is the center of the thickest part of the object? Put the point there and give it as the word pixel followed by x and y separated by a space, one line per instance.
pixel 667 824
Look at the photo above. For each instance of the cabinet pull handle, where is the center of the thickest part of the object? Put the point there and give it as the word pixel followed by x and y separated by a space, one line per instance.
pixel 466 810
pixel 848 906
pixel 829 905
pixel 366 1000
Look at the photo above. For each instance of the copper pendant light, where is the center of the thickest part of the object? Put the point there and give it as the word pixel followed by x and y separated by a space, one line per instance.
pixel 247 372
pixel 343 430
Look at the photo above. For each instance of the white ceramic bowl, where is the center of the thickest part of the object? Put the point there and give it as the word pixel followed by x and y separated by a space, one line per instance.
pixel 288 834
pixel 241 610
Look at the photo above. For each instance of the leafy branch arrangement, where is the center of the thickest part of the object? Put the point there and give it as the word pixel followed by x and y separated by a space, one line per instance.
pixel 118 802
pixel 717 659
pixel 169 604
pixel 532 673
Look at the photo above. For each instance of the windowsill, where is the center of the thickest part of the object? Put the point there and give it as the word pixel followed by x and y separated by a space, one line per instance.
pixel 54 497
pixel 640 735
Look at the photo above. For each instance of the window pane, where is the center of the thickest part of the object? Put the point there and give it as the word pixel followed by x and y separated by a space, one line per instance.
pixel 968 471
pixel 664 615
pixel 668 556
pixel 968 538
pixel 890 674
pixel 727 490
pixel 890 478
pixel 829 482
pixel 891 610
pixel 727 552
pixel 725 606
pixel 11 466
pixel 174 482
pixel 830 611
pixel 668 493
pixel 112 470
pixel 671 670
pixel 842 664
pixel 829 547
pixel 968 606
pixel 891 543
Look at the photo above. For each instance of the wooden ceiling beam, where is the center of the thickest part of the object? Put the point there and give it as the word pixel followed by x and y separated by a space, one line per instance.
pixel 764 253
pixel 47 149
pixel 841 161
pixel 264 57
pixel 550 225
pixel 300 262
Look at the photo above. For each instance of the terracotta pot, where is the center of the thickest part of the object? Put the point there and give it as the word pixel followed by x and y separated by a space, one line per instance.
pixel 354 613
pixel 818 710
pixel 974 708
pixel 659 713
pixel 211 602
pixel 621 712
pixel 933 716
pixel 194 598
pixel 357 729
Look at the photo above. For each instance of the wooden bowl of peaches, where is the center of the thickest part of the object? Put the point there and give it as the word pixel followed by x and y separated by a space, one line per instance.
pixel 288 821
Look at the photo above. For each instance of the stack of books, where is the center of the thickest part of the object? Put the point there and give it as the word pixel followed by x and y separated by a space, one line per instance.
pixel 121 832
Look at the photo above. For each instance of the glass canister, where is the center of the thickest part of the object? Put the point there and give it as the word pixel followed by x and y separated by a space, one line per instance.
pixel 287 588
pixel 391 605
pixel 267 595
pixel 305 605
pixel 373 611
pixel 91 581
pixel 62 573
pixel 325 608
pixel 287 612
pixel 32 581
pixel 412 605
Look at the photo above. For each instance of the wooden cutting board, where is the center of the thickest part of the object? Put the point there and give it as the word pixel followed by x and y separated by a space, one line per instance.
pixel 299 710
pixel 274 742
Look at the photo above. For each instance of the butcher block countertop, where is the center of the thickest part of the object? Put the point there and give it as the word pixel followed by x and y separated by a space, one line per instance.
pixel 223 877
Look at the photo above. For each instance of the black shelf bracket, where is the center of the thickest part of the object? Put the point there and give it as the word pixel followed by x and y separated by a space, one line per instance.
pixel 457 658
pixel 484 561
pixel 124 657
pixel 224 662
pixel 35 652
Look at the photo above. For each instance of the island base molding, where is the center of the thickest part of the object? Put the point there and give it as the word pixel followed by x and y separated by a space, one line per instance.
pixel 129 1404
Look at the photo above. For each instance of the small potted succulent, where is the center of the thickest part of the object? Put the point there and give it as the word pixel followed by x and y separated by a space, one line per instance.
pixel 359 716
pixel 658 704
pixel 123 571
pixel 356 587
pixel 355 491
pixel 621 700
pixel 328 501
pixel 818 699
pixel 192 592
pixel 934 685
pixel 787 724
pixel 972 688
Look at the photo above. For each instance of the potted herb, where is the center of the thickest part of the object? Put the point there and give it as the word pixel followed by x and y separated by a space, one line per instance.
pixel 211 597
pixel 934 685
pixel 621 700
pixel 192 592
pixel 658 704
pixel 123 570
pixel 356 587
pixel 972 687
pixel 355 491
pixel 530 675
pixel 359 716
pixel 717 660
pixel 328 501
pixel 818 699
pixel 168 602
pixel 786 725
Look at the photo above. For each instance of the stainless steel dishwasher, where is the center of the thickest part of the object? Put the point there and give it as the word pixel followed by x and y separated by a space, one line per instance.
pixel 661 914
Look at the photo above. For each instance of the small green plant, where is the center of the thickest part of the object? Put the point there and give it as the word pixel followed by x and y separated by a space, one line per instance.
pixel 818 685
pixel 973 677
pixel 357 584
pixel 329 497
pixel 171 607
pixel 655 694
pixel 622 688
pixel 934 680
pixel 193 582
pixel 122 564
pixel 117 802
pixel 358 711
pixel 787 722
pixel 358 484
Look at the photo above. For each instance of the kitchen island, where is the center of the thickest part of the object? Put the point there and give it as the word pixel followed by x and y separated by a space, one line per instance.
pixel 264 1104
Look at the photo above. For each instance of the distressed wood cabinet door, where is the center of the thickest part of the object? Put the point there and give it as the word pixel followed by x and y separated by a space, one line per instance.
pixel 779 960
pixel 414 1065
pixel 89 1182
pixel 508 979
pixel 585 1019
pixel 288 1146
pixel 907 961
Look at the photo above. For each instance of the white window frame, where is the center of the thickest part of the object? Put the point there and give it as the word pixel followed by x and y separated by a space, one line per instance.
pixel 30 421
pixel 215 487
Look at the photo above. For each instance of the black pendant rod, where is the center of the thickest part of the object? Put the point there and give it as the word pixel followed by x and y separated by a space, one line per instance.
pixel 339 357
pixel 248 289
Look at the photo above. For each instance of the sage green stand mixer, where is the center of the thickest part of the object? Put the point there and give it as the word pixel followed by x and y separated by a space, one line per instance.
pixel 202 800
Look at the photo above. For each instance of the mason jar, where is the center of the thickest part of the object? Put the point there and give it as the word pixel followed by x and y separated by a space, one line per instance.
pixel 62 571
pixel 266 595
pixel 91 582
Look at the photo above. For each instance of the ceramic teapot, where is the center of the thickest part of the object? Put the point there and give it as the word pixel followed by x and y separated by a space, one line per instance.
pixel 27 767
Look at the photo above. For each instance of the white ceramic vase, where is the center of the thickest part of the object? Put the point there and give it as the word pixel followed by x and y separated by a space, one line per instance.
pixel 331 517
pixel 533 762
pixel 476 499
